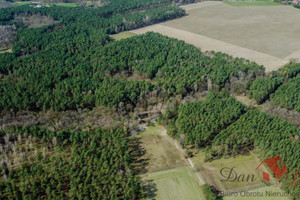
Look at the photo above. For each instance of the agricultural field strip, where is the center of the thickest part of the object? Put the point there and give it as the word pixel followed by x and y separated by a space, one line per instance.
pixel 199 5
pixel 209 44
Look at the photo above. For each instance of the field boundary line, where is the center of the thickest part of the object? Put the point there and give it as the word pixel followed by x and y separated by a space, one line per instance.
pixel 209 44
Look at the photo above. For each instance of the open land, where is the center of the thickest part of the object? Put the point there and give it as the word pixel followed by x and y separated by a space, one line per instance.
pixel 252 3
pixel 267 35
pixel 122 35
pixel 174 184
pixel 164 171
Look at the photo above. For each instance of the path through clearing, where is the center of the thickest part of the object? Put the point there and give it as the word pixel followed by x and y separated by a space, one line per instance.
pixel 190 162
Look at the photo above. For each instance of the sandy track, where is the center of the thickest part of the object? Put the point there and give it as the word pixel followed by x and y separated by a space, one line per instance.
pixel 208 44
pixel 199 5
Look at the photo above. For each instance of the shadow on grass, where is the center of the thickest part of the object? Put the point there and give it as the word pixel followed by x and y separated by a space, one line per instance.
pixel 137 152
pixel 149 190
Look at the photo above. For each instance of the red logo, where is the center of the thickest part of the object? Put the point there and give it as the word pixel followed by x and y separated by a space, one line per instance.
pixel 277 166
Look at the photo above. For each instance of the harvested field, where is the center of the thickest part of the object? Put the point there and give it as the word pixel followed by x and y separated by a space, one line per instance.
pixel 267 35
pixel 252 3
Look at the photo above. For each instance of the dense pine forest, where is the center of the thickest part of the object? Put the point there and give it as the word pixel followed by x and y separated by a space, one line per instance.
pixel 281 87
pixel 74 64
pixel 37 163
pixel 199 123
pixel 287 95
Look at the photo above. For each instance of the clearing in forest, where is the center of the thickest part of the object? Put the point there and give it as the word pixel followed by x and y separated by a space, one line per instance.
pixel 122 35
pixel 267 35
pixel 164 171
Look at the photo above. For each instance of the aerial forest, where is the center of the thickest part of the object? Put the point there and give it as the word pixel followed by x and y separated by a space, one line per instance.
pixel 75 64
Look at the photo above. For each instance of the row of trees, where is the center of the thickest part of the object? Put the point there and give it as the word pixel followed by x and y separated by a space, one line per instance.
pixel 260 89
pixel 80 165
pixel 288 95
pixel 199 123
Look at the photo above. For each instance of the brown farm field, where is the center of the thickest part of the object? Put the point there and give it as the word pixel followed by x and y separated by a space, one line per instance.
pixel 267 35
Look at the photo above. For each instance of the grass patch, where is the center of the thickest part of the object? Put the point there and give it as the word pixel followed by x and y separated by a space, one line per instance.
pixel 155 151
pixel 122 35
pixel 252 3
pixel 174 184
pixel 66 4
pixel 22 3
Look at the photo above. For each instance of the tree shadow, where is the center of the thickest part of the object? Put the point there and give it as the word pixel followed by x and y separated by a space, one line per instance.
pixel 149 190
pixel 137 153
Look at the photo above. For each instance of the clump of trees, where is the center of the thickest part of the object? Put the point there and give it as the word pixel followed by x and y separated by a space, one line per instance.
pixel 260 89
pixel 288 95
pixel 199 123
pixel 290 70
pixel 210 192
pixel 93 165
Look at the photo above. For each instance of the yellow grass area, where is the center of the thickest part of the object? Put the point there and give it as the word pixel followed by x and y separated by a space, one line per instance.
pixel 156 151
pixel 6 51
pixel 122 35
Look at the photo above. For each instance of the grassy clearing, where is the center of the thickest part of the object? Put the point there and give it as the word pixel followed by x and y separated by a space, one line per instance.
pixel 174 184
pixel 122 35
pixel 252 3
pixel 22 3
pixel 66 4
pixel 263 192
pixel 155 151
